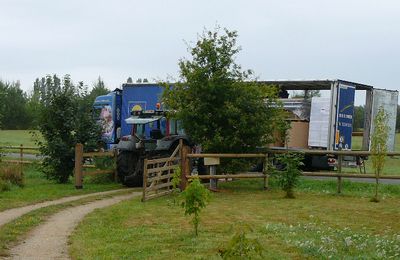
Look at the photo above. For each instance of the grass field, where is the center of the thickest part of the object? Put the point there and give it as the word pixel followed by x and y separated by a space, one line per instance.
pixel 315 225
pixel 38 188
pixel 17 137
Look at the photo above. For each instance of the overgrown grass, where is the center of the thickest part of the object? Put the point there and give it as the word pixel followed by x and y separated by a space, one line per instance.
pixel 306 227
pixel 38 189
pixel 11 232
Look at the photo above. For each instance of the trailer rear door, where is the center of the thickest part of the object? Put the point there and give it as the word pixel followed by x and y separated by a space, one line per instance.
pixel 388 99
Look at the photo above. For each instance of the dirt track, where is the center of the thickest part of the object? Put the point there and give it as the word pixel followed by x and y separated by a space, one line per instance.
pixel 49 240
pixel 11 214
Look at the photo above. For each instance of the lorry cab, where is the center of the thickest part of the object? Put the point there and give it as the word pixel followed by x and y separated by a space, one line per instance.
pixel 107 113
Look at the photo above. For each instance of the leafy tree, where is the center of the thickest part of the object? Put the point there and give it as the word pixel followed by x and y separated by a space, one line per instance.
pixel 98 89
pixel 221 106
pixel 307 94
pixel 13 107
pixel 358 118
pixel 378 146
pixel 65 120
pixel 195 197
pixel 288 175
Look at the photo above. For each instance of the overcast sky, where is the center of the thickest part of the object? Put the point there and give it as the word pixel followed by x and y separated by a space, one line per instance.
pixel 353 40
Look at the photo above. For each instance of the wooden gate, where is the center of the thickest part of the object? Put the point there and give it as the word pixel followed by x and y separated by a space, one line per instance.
pixel 158 173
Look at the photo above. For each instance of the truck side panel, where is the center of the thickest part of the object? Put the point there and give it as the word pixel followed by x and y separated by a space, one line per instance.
pixel 144 95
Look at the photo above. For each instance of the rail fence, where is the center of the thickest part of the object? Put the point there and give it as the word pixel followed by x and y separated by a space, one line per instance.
pixel 21 149
pixel 82 169
pixel 212 160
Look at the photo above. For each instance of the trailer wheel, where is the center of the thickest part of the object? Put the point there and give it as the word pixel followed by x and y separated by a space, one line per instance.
pixel 129 169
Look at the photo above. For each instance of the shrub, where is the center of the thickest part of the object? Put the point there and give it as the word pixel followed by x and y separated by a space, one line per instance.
pixel 241 247
pixel 195 198
pixel 4 185
pixel 288 176
pixel 12 174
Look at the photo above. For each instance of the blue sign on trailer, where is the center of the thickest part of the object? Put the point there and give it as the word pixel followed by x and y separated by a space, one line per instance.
pixel 344 117
pixel 144 95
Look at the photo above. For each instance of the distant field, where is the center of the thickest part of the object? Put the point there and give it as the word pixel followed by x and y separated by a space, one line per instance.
pixel 17 137
pixel 357 142
pixel 392 165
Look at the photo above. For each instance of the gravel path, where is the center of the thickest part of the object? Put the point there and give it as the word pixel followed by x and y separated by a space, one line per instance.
pixel 49 240
pixel 11 214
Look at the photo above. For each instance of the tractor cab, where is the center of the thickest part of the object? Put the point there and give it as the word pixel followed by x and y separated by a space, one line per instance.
pixel 151 131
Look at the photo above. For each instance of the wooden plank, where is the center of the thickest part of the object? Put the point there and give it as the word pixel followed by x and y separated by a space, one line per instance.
pixel 153 196
pixel 17 161
pixel 98 172
pixel 349 175
pixel 161 169
pixel 99 154
pixel 88 166
pixel 162 160
pixel 226 155
pixel 304 151
pixel 230 176
pixel 157 178
pixel 159 186
pixel 78 166
pixel 19 147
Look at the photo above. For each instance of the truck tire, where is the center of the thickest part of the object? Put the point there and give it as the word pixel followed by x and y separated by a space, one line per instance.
pixel 129 169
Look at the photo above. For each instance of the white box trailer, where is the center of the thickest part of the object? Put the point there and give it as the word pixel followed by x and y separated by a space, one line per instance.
pixel 331 118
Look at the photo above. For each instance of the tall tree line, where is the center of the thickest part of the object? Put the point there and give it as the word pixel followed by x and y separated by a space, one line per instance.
pixel 21 110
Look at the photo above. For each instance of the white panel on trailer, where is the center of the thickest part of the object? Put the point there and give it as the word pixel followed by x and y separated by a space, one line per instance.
pixel 319 122
pixel 388 100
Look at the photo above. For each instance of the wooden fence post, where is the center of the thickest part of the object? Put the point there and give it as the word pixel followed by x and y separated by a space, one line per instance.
pixel 339 179
pixel 21 156
pixel 78 166
pixel 185 165
pixel 265 171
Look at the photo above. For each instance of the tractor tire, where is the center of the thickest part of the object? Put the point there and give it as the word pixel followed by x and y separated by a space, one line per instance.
pixel 129 169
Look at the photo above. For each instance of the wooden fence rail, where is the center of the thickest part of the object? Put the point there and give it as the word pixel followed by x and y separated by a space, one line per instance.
pixel 21 149
pixel 79 172
pixel 339 174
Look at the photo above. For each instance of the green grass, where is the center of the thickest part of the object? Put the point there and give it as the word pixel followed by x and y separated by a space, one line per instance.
pixel 316 224
pixel 392 165
pixel 17 137
pixel 38 189
pixel 11 232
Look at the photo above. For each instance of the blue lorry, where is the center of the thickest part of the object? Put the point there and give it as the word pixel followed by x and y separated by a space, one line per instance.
pixel 133 122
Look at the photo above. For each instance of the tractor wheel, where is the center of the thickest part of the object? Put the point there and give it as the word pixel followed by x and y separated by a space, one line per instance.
pixel 129 169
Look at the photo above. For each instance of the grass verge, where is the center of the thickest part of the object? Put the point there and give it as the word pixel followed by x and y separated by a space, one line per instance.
pixel 38 189
pixel 315 225
pixel 15 231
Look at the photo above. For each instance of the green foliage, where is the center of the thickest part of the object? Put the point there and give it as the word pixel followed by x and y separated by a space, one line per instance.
pixel 242 247
pixel 65 120
pixel 378 146
pixel 104 162
pixel 288 176
pixel 358 118
pixel 176 178
pixel 13 109
pixel 5 185
pixel 195 198
pixel 222 107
